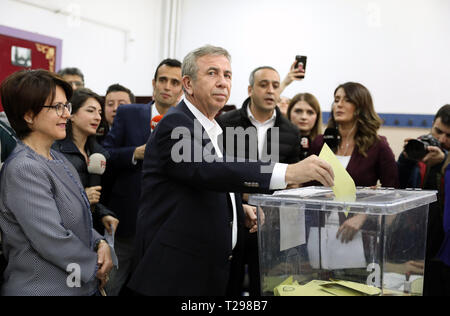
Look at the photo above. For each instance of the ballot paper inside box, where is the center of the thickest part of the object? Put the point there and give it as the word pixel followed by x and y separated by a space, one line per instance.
pixel 377 240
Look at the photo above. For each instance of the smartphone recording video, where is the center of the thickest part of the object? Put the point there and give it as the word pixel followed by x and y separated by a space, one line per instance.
pixel 301 64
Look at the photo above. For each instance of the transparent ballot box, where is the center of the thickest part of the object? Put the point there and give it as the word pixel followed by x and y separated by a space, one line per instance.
pixel 310 244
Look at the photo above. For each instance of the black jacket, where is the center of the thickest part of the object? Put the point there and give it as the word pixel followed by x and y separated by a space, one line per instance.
pixel 71 152
pixel 289 135
pixel 8 140
pixel 184 229
pixel 288 143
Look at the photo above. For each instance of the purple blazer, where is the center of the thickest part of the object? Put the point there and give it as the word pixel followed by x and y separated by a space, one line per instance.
pixel 379 164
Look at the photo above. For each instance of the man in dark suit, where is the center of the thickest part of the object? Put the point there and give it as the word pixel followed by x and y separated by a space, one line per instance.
pixel 188 218
pixel 116 95
pixel 126 143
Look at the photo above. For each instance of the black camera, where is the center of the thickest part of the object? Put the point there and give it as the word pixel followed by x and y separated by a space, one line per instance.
pixel 417 149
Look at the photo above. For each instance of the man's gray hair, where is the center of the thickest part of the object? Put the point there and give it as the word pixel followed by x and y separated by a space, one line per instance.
pixel 252 75
pixel 190 67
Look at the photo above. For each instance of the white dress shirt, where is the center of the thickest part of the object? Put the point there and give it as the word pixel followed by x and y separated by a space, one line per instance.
pixel 261 128
pixel 155 112
pixel 277 181
pixel 213 130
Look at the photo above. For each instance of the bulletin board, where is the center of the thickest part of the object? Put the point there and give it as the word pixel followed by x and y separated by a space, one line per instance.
pixel 25 50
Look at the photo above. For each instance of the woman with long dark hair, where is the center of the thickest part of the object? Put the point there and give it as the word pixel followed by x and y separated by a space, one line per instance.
pixel 79 144
pixel 366 155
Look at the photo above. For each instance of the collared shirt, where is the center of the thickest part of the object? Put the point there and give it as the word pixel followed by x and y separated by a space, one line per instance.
pixel 277 181
pixel 155 112
pixel 213 130
pixel 261 128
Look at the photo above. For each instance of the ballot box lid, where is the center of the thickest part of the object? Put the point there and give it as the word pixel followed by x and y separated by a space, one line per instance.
pixel 369 201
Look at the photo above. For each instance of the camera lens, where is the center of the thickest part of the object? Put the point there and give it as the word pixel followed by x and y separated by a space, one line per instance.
pixel 416 149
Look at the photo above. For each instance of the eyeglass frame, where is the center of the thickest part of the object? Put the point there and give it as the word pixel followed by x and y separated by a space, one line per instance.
pixel 60 106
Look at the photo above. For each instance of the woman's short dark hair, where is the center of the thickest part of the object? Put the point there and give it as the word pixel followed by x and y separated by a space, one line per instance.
pixel 80 96
pixel 29 90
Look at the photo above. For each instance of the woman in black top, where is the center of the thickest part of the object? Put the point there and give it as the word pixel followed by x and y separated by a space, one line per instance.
pixel 80 144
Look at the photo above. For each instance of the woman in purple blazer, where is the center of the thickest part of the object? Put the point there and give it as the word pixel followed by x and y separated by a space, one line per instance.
pixel 366 155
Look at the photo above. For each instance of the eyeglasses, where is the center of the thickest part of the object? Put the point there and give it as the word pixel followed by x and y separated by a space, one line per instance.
pixel 59 108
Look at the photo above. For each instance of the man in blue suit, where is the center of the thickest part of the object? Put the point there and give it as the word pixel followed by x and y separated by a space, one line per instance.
pixel 126 143
pixel 189 217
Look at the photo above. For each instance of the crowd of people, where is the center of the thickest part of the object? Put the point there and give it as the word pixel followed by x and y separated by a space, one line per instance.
pixel 93 200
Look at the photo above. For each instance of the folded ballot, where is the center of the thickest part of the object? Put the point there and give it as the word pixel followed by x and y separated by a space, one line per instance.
pixel 325 288
pixel 344 187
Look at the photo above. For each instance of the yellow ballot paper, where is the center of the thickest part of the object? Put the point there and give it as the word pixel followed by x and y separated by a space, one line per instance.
pixel 344 187
pixel 288 281
pixel 311 289
pixel 325 288
pixel 362 288
pixel 271 282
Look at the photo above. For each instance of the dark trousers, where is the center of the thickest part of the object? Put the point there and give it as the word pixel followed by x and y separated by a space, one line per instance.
pixel 245 253
pixel 437 279
pixel 252 259
pixel 3 264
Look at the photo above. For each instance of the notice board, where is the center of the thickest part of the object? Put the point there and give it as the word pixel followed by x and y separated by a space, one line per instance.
pixel 26 50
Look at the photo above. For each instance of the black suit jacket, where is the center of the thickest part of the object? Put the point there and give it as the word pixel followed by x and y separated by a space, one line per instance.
pixel 71 152
pixel 184 226
pixel 289 135
pixel 131 129
pixel 288 152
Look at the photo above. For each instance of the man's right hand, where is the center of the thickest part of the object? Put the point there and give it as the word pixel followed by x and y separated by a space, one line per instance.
pixel 293 75
pixel 139 152
pixel 434 157
pixel 310 169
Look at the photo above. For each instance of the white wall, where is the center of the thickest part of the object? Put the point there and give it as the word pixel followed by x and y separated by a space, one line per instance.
pixel 398 49
pixel 101 52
